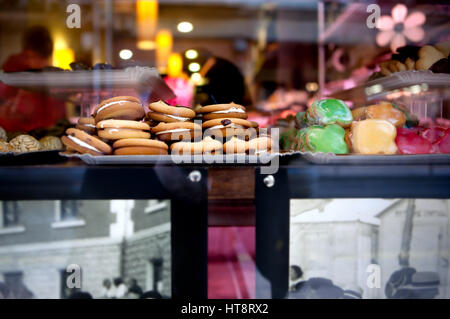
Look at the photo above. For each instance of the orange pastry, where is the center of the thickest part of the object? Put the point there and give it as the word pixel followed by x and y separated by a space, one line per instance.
pixel 381 111
pixel 373 137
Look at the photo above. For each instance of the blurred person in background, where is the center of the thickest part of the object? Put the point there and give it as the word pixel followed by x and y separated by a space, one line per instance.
pixel 121 289
pixel 134 290
pixel 108 290
pixel 22 110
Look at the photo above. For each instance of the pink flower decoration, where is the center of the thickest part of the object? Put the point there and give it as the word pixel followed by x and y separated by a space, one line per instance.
pixel 398 27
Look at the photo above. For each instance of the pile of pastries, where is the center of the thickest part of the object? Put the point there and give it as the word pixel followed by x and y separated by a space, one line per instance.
pixel 119 126
pixel 428 57
pixel 23 143
pixel 329 126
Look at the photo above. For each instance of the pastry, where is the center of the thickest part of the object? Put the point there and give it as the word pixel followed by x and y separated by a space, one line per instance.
pixel 162 112
pixel 433 134
pixel 84 143
pixel 428 55
pixel 121 108
pixel 3 135
pixel 177 131
pixel 409 142
pixel 329 111
pixel 121 129
pixel 86 124
pixel 290 140
pixel 258 145
pixel 219 111
pixel 24 143
pixel 326 139
pixel 235 146
pixel 5 147
pixel 206 146
pixel 373 137
pixel 444 47
pixel 411 119
pixel 228 127
pixel 443 144
pixel 410 64
pixel 384 68
pixel 380 111
pixel 49 143
pixel 138 146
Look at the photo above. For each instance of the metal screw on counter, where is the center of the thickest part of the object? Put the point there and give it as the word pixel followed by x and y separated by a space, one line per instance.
pixel 269 180
pixel 195 176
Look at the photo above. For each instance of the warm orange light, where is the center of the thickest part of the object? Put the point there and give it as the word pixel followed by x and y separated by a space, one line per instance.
pixel 175 65
pixel 147 20
pixel 62 54
pixel 164 43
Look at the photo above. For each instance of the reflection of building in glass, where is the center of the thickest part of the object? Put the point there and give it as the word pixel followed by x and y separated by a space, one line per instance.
pixel 338 239
pixel 106 238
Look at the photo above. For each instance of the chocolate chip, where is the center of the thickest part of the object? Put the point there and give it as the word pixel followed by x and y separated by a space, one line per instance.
pixel 72 134
pixel 225 122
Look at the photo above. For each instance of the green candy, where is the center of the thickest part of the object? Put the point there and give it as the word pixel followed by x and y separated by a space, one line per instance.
pixel 329 111
pixel 326 139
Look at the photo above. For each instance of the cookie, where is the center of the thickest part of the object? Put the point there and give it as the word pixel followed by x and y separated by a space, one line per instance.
pixel 136 146
pixel 428 55
pixel 162 112
pixel 84 143
pixel 49 143
pixel 24 143
pixel 86 124
pixel 121 129
pixel 228 127
pixel 217 111
pixel 3 135
pixel 120 107
pixel 206 146
pixel 384 68
pixel 444 47
pixel 259 145
pixel 235 146
pixel 176 131
pixel 5 147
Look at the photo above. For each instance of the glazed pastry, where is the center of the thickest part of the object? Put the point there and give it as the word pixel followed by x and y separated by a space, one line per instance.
pixel 409 142
pixel 443 144
pixel 162 112
pixel 24 143
pixel 138 146
pixel 290 140
pixel 329 111
pixel 380 111
pixel 121 108
pixel 4 147
pixel 3 135
pixel 217 111
pixel 49 143
pixel 373 137
pixel 328 139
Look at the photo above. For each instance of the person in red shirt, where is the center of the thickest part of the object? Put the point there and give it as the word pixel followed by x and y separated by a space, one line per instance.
pixel 22 110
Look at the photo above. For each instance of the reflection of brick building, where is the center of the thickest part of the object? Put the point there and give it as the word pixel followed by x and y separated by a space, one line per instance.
pixel 107 239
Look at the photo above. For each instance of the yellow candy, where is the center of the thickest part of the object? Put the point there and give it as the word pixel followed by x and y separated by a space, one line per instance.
pixel 373 137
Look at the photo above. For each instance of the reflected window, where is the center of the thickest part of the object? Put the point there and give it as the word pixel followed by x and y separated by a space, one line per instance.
pixel 69 210
pixel 10 216
pixel 155 205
